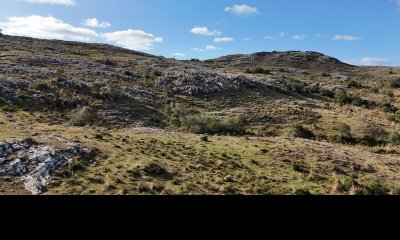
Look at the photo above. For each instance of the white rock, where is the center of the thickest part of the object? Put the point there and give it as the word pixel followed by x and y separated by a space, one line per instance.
pixel 34 185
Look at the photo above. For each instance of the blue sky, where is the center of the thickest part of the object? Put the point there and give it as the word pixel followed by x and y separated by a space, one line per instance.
pixel 358 31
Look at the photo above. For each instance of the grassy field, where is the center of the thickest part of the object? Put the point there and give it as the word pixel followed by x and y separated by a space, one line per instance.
pixel 152 161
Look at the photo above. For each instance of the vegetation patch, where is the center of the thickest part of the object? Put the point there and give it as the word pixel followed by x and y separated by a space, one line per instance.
pixel 83 116
pixel 298 131
pixel 203 124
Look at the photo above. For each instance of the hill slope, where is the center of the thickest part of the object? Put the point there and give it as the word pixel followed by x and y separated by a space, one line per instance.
pixel 81 118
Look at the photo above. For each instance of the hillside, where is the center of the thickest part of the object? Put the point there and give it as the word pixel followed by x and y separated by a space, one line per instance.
pixel 79 118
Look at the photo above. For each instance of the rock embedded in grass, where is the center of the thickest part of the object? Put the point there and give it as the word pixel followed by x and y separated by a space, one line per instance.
pixel 33 163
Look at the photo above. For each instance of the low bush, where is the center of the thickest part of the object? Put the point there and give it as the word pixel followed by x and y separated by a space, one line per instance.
pixel 295 86
pixel 377 187
pixel 43 87
pixel 395 138
pixel 129 74
pixel 327 93
pixel 298 131
pixel 394 83
pixel 178 112
pixel 354 84
pixel 201 124
pixel 204 138
pixel 258 70
pixel 370 140
pixel 157 73
pixel 343 129
pixel 389 108
pixel 394 118
pixel 342 97
pixel 301 168
pixel 83 116
pixel 340 133
pixel 302 192
pixel 325 75
pixel 315 89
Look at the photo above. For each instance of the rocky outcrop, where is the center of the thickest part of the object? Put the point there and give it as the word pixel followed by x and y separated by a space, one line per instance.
pixel 33 163
pixel 199 81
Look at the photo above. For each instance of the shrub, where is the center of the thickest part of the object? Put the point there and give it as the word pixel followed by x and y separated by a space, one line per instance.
pixel 370 140
pixel 148 75
pixel 354 84
pixel 390 94
pixel 302 192
pixel 325 75
pixel 157 73
pixel 327 93
pixel 83 116
pixel 340 133
pixel 108 62
pixel 395 138
pixel 394 118
pixel 334 137
pixel 178 112
pixel 312 89
pixel 377 187
pixel 258 70
pixel 394 83
pixel 43 87
pixel 60 72
pixel 316 178
pixel 389 108
pixel 30 141
pixel 342 97
pixel 154 169
pixel 343 129
pixel 129 74
pixel 343 184
pixel 174 121
pixel 296 87
pixel 301 168
pixel 359 102
pixel 201 124
pixel 204 138
pixel 298 131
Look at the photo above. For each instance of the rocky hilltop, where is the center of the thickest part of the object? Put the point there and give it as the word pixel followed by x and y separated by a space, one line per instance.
pixel 79 118
pixel 291 58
